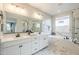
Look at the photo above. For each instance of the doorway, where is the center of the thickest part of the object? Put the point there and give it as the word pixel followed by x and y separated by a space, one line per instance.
pixel 46 26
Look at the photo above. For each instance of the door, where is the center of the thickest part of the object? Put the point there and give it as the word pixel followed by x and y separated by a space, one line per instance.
pixel 43 42
pixel 46 26
pixel 26 48
pixel 35 45
pixel 13 50
pixel 77 28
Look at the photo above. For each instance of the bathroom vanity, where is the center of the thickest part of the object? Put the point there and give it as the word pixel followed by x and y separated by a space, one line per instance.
pixel 24 45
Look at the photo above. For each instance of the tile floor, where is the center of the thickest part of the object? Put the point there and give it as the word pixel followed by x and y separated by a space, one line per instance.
pixel 59 46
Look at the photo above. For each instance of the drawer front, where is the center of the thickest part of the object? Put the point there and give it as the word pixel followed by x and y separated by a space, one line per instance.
pixel 35 42
pixel 43 43
pixel 34 50
pixel 35 46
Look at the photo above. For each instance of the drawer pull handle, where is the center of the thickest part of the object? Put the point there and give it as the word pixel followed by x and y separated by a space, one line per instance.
pixel 44 38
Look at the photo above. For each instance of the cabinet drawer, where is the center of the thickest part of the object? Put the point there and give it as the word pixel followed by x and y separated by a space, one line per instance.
pixel 43 43
pixel 35 42
pixel 35 49
pixel 35 46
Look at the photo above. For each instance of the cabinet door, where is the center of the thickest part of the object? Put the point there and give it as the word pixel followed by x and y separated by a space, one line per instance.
pixel 43 42
pixel 13 50
pixel 26 48
pixel 35 46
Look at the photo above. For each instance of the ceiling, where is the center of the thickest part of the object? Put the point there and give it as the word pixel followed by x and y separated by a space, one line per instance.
pixel 54 8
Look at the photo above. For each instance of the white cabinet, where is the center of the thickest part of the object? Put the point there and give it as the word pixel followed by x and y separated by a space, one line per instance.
pixel 39 43
pixel 26 48
pixel 35 45
pixel 13 50
pixel 43 42
pixel 20 49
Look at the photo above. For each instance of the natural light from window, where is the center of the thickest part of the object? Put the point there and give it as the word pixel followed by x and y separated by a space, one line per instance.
pixel 62 21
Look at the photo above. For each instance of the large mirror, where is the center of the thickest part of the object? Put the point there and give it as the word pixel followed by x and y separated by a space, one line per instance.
pixel 17 23
pixel 10 25
pixel 14 23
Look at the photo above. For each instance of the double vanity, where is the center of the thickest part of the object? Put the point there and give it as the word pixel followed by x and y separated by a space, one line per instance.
pixel 23 45
pixel 26 43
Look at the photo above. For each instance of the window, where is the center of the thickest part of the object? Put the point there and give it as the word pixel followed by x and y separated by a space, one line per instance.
pixel 62 24
pixel 62 21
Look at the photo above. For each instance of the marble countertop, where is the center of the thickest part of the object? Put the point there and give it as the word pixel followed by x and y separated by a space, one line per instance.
pixel 9 40
pixel 12 37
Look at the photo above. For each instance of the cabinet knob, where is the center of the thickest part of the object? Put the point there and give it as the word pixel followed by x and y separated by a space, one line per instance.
pixel 44 38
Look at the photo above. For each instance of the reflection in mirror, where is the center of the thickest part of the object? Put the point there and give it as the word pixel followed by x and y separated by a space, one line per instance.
pixel 10 27
pixel 15 23
pixel 35 25
pixel 46 26
pixel 1 22
pixel 24 24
